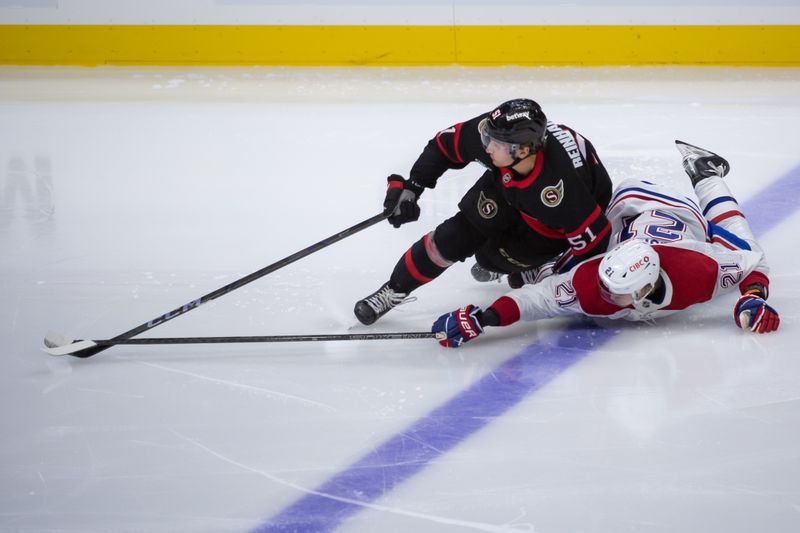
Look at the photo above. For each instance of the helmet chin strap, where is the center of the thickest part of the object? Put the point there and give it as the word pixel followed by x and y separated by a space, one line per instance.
pixel 643 302
pixel 518 160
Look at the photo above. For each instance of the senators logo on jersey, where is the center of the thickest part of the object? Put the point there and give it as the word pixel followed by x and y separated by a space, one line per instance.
pixel 552 196
pixel 486 206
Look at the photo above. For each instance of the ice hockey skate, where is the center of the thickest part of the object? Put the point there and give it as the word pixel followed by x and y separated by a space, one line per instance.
pixel 484 275
pixel 378 304
pixel 529 277
pixel 518 279
pixel 700 163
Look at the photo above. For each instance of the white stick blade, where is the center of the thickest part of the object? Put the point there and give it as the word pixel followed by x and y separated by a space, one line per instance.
pixel 70 348
pixel 57 344
pixel 54 339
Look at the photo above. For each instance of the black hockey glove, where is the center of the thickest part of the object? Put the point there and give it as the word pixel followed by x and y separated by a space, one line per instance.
pixel 400 203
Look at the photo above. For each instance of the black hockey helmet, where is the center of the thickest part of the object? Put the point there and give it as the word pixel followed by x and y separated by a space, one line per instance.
pixel 517 122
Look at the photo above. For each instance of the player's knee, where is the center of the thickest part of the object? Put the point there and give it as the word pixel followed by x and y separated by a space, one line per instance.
pixel 455 239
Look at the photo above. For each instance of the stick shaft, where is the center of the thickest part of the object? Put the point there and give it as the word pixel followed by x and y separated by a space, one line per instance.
pixel 194 304
pixel 270 338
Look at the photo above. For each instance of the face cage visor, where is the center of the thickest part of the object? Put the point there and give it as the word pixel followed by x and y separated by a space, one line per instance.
pixel 624 300
pixel 483 129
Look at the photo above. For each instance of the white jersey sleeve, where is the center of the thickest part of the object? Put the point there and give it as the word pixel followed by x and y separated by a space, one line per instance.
pixel 554 296
pixel 557 295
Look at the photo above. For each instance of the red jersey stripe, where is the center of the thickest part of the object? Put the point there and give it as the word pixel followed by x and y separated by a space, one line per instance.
pixel 455 142
pixel 594 243
pixel 754 277
pixel 717 240
pixel 507 310
pixel 726 215
pixel 586 223
pixel 541 228
pixel 456 135
pixel 412 269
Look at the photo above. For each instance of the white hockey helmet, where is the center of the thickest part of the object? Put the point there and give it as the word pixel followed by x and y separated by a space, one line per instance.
pixel 629 269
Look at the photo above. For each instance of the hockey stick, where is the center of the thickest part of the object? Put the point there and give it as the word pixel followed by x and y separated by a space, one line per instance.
pixel 79 349
pixel 56 344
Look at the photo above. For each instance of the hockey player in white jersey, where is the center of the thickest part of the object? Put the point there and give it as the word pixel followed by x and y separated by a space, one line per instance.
pixel 667 253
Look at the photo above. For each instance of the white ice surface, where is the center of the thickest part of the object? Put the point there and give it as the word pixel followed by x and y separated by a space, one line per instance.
pixel 125 193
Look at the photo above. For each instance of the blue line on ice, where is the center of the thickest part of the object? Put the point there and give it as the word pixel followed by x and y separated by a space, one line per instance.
pixel 407 453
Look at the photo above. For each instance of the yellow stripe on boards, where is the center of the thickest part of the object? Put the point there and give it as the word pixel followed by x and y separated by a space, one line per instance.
pixel 226 45
pixel 632 45
pixel 92 45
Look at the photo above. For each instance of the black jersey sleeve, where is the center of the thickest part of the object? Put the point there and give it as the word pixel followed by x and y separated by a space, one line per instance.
pixel 451 148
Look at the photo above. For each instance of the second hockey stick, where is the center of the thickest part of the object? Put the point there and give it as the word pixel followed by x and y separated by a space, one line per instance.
pixel 83 351
pixel 56 344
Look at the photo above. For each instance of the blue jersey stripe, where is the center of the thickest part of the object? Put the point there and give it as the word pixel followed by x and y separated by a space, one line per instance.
pixel 683 201
pixel 717 201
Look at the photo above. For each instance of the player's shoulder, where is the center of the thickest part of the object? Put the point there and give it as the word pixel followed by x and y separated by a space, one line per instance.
pixel 561 133
pixel 686 259
pixel 691 272
pixel 461 143
pixel 563 151
pixel 585 281
pixel 683 250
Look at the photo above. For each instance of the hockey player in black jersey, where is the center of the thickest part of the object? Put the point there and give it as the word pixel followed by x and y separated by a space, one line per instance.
pixel 544 194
